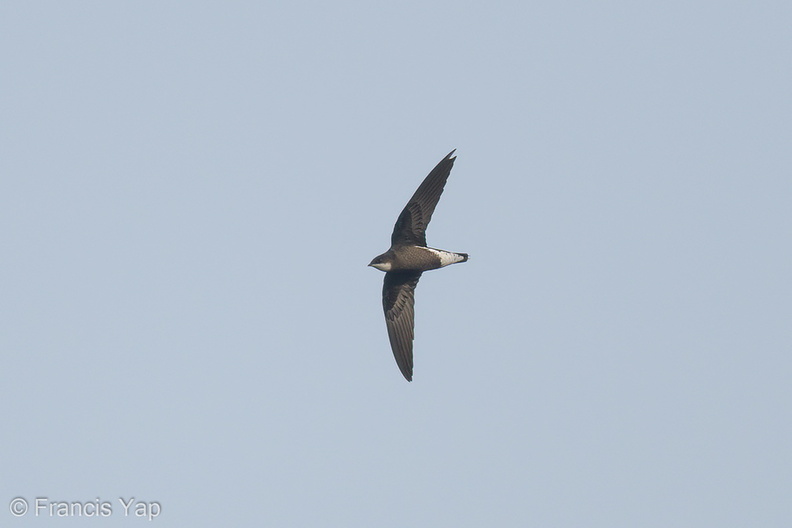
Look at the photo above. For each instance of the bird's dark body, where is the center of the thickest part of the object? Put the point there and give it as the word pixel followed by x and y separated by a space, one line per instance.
pixel 415 258
pixel 407 258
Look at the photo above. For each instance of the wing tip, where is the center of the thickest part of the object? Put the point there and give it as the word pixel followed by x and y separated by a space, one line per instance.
pixel 406 369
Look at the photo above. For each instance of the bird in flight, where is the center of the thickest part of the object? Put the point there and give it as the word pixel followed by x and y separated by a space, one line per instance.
pixel 407 258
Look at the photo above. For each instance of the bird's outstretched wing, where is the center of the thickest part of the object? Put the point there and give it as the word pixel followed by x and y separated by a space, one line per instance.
pixel 410 228
pixel 398 300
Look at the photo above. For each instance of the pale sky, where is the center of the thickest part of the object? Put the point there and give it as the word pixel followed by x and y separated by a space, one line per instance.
pixel 190 195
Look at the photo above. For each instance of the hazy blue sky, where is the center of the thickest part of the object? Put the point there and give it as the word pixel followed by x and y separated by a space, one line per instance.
pixel 190 193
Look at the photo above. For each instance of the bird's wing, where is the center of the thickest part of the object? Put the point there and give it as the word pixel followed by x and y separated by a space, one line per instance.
pixel 410 228
pixel 398 300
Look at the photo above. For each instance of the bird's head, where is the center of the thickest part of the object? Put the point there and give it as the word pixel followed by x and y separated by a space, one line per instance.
pixel 382 262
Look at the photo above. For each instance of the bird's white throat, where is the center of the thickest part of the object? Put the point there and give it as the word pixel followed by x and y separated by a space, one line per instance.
pixel 382 266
